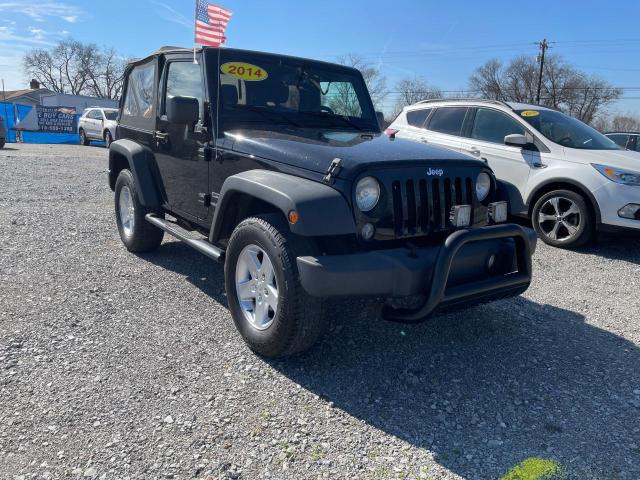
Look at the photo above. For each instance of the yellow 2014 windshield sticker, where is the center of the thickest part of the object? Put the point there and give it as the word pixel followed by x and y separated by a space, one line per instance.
pixel 530 113
pixel 244 71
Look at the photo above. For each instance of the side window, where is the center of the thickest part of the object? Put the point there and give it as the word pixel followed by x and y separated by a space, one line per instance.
pixel 138 107
pixel 619 139
pixel 448 120
pixel 416 118
pixel 492 126
pixel 92 115
pixel 184 80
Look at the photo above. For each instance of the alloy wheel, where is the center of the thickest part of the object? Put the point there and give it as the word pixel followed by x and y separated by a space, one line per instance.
pixel 127 211
pixel 256 287
pixel 559 219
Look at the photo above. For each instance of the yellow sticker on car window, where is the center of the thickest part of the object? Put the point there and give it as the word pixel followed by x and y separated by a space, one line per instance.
pixel 530 113
pixel 244 71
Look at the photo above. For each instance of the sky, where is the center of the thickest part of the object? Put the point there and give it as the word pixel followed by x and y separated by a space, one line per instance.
pixel 442 41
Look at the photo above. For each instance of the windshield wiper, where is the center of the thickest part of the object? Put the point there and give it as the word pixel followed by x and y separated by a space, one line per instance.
pixel 344 120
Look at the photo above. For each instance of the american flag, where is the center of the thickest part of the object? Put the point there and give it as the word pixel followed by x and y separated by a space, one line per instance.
pixel 211 22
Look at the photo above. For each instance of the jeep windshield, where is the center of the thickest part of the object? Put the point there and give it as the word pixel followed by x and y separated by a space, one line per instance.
pixel 258 90
pixel 566 131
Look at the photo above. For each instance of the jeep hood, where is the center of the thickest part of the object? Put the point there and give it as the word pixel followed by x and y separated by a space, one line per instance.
pixel 315 149
pixel 625 159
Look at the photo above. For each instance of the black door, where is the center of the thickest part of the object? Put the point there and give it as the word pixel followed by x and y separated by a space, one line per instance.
pixel 182 150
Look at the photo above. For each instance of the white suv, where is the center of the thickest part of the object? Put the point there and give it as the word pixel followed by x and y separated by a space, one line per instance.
pixel 567 177
pixel 98 124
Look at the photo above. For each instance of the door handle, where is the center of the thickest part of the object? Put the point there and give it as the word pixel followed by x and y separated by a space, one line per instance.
pixel 424 140
pixel 161 137
pixel 474 151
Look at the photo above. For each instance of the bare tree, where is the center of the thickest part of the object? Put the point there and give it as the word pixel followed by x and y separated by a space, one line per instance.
pixel 625 123
pixel 563 86
pixel 106 76
pixel 77 68
pixel 487 80
pixel 376 82
pixel 413 90
pixel 617 123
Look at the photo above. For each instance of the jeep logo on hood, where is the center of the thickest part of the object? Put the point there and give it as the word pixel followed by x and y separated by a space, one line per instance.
pixel 435 172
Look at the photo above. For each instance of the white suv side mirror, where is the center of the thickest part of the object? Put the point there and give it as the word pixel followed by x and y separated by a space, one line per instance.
pixel 516 140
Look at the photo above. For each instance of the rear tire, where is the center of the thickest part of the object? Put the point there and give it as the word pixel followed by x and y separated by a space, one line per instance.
pixel 265 244
pixel 108 139
pixel 136 233
pixel 2 143
pixel 83 138
pixel 562 218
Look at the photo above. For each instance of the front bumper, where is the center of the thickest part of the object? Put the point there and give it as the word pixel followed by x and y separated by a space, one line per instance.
pixel 611 197
pixel 455 273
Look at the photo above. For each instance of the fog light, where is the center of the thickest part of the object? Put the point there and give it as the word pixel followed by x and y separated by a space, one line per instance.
pixel 631 211
pixel 460 215
pixel 498 211
pixel 367 231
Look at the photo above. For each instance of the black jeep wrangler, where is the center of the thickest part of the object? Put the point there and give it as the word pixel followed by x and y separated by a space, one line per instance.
pixel 276 166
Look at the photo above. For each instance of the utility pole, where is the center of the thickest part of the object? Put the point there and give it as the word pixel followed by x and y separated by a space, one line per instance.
pixel 543 45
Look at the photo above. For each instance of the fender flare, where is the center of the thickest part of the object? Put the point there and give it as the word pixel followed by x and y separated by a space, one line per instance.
pixel 322 210
pixel 143 167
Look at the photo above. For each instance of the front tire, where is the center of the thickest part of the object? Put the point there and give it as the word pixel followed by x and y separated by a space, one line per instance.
pixel 270 309
pixel 136 233
pixel 83 138
pixel 562 218
pixel 2 143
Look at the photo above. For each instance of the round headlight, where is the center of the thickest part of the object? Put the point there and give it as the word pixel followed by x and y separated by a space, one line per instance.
pixel 483 186
pixel 367 193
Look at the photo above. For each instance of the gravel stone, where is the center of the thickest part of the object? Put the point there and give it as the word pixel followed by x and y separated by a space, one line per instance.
pixel 105 346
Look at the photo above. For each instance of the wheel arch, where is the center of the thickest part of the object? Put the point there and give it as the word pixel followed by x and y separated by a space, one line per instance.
pixel 564 184
pixel 140 160
pixel 322 210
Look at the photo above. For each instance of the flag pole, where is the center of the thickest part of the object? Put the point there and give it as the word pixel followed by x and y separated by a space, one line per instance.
pixel 195 25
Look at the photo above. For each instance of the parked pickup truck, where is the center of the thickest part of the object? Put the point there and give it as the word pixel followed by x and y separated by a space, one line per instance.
pixel 276 167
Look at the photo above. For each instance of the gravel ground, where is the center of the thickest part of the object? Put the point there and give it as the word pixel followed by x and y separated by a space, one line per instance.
pixel 120 366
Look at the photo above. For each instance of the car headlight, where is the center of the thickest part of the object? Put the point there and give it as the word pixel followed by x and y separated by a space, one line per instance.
pixel 483 186
pixel 625 177
pixel 367 193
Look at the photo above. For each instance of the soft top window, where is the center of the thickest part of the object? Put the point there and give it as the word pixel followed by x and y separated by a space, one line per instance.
pixel 257 89
pixel 138 107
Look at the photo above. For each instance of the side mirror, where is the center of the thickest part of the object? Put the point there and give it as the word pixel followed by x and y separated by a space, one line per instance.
pixel 183 110
pixel 517 140
pixel 380 117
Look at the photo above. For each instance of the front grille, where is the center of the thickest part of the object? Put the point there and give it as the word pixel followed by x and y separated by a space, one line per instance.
pixel 423 206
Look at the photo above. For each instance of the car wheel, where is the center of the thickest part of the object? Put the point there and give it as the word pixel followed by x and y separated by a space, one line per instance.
pixel 2 143
pixel 83 138
pixel 270 309
pixel 108 139
pixel 136 233
pixel 562 218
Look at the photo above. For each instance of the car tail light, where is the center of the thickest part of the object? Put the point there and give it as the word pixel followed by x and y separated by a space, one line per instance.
pixel 391 131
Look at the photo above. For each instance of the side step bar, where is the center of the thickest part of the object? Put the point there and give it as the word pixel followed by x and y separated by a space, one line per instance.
pixel 199 244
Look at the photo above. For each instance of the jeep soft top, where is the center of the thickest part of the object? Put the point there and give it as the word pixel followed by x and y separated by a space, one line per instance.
pixel 276 167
